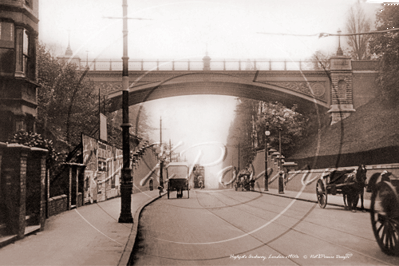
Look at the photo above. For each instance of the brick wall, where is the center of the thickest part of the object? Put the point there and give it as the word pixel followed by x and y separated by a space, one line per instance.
pixel 80 200
pixel 342 88
pixel 297 179
pixel 58 204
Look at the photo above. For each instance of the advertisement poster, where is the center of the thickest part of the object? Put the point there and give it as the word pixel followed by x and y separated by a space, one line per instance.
pixel 103 170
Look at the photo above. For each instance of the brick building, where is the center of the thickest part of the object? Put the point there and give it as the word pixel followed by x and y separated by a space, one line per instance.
pixel 18 72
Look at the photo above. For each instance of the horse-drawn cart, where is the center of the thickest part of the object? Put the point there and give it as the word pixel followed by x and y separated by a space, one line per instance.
pixel 349 183
pixel 244 181
pixel 177 174
pixel 384 211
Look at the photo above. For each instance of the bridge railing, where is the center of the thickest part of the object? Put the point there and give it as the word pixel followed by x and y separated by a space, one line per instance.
pixel 195 65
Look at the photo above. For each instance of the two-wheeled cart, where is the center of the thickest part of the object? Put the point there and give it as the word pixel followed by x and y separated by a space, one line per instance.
pixel 177 175
pixel 384 211
pixel 332 183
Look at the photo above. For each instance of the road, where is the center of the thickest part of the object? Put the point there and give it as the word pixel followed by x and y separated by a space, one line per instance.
pixel 225 227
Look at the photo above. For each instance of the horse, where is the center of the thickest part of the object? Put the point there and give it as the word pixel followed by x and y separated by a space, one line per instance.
pixel 355 183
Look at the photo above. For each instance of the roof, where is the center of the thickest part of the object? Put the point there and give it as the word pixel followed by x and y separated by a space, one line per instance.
pixel 177 164
pixel 174 176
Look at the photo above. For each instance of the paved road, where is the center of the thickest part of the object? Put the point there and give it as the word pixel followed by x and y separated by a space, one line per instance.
pixel 249 228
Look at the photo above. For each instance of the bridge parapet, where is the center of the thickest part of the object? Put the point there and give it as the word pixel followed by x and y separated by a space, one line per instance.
pixel 195 65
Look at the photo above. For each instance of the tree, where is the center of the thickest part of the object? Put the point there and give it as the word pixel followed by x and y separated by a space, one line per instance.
pixel 138 118
pixel 138 115
pixel 279 117
pixel 241 132
pixel 248 128
pixel 356 23
pixel 386 48
pixel 320 60
pixel 66 100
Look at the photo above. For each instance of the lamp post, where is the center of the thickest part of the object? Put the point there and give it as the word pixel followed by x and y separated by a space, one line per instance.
pixel 267 133
pixel 161 160
pixel 279 147
pixel 127 179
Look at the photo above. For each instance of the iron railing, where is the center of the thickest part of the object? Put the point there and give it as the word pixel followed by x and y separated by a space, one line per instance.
pixel 195 65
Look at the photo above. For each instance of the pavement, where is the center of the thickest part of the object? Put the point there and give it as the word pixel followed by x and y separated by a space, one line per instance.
pixel 88 235
pixel 91 234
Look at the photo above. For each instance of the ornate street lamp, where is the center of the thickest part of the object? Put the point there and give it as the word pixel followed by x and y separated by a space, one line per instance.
pixel 127 179
pixel 267 133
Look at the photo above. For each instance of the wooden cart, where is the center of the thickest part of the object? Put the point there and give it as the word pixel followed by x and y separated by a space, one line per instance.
pixel 384 211
pixel 177 175
pixel 332 183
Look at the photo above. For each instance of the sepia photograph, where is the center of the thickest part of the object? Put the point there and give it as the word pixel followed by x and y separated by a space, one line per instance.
pixel 199 132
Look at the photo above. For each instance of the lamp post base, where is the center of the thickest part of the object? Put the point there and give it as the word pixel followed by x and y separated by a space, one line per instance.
pixel 125 220
pixel 126 198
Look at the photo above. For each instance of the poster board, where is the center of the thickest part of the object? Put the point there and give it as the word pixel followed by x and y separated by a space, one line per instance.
pixel 103 170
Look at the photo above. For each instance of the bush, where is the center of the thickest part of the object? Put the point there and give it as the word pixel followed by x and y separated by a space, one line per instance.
pixel 32 139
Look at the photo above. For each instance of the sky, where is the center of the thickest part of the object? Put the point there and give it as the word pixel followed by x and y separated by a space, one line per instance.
pixel 183 29
pixel 177 29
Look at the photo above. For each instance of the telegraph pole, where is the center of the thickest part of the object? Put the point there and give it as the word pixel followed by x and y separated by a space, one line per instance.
pixel 267 134
pixel 127 179
pixel 160 157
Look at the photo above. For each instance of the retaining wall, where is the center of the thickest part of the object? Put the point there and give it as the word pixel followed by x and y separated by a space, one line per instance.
pixel 308 178
pixel 57 205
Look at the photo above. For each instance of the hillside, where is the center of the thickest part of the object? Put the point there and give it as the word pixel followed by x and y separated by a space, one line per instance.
pixel 370 136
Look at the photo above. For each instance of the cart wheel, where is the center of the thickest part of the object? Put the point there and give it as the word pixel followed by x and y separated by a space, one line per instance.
pixel 384 211
pixel 321 193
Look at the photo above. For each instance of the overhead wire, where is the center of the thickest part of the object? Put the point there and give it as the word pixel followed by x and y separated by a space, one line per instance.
pixel 325 34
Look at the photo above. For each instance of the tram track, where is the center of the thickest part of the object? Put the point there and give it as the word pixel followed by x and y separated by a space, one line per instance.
pixel 248 234
pixel 292 228
pixel 289 216
pixel 252 213
pixel 215 198
pixel 220 257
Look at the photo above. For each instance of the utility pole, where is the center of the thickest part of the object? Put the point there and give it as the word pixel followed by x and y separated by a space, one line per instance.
pixel 239 155
pixel 170 152
pixel 279 148
pixel 127 179
pixel 160 157
pixel 267 134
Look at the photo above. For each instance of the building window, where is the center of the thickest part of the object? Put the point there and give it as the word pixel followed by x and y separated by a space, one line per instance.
pixel 7 52
pixel 25 51
pixel 22 51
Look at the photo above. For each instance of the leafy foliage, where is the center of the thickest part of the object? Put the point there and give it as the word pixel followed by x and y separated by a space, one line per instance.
pixel 290 124
pixel 386 48
pixel 253 118
pixel 139 121
pixel 242 130
pixel 67 104
pixel 32 139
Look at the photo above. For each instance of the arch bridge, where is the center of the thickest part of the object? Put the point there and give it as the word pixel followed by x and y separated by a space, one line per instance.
pixel 338 90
